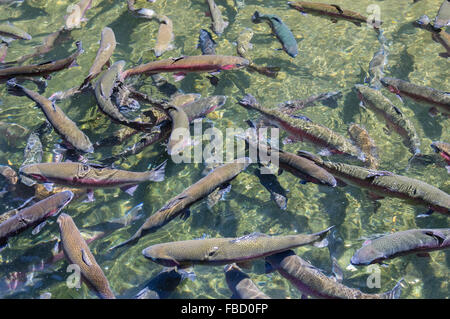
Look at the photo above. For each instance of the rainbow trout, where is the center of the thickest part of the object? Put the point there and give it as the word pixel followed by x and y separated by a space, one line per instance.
pixel 222 251
pixel 63 125
pixel 185 64
pixel 440 100
pixel 334 12
pixel 241 285
pixel 438 35
pixel 42 69
pixel 104 53
pixel 383 183
pixel 103 92
pixel 281 31
pixel 77 252
pixel 218 24
pixel 412 241
pixel 328 98
pixel 313 282
pixel 303 128
pixel 90 176
pixel 33 215
pixel 363 140
pixel 392 115
pixel 7 30
pixel 179 205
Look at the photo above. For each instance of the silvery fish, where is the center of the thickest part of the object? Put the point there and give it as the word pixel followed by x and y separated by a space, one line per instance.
pixel 241 285
pixel 218 24
pixel 418 241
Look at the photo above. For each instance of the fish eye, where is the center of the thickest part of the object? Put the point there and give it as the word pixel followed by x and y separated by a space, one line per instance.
pixel 85 168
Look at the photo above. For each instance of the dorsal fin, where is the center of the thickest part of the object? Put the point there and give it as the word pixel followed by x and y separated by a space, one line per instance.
pixel 338 8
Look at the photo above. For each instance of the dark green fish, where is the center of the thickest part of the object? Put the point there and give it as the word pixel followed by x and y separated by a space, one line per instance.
pixel 281 31
pixel 401 243
pixel 241 285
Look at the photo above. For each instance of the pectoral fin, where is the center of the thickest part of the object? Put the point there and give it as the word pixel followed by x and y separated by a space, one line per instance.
pixel 338 8
pixel 85 258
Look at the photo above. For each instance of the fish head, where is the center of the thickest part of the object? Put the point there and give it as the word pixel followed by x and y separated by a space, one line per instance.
pixel 64 221
pixel 367 255
pixel 66 198
pixel 390 84
pixel 235 62
pixel 158 254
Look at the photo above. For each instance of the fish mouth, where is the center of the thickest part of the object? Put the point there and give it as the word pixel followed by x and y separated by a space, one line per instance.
pixel 435 148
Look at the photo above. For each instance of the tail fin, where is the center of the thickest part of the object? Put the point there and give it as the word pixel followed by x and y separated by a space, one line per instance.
pixel 256 17
pixel 157 174
pixel 14 88
pixel 395 292
pixel 134 239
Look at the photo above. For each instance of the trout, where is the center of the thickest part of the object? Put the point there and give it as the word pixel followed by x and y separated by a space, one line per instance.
pixel 383 183
pixel 222 251
pixel 33 215
pixel 419 241
pixel 90 176
pixel 42 69
pixel 281 31
pixel 302 128
pixel 63 125
pixel 165 36
pixel 292 106
pixel 218 24
pixel 440 100
pixel 179 205
pixel 362 139
pixel 8 173
pixel 104 53
pixel 443 149
pixel 185 64
pixel 241 285
pixel 180 136
pixel 334 12
pixel 392 115
pixel 8 30
pixel 77 252
pixel 312 281
pixel 206 43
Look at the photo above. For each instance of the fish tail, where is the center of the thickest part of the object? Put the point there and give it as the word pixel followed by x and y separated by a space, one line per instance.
pixel 256 17
pixel 134 239
pixel 14 88
pixel 157 174
pixel 395 292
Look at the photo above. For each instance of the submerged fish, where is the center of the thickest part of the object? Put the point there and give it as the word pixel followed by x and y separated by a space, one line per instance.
pixel 301 128
pixel 376 68
pixel 440 100
pixel 333 11
pixel 185 64
pixel 438 35
pixel 206 43
pixel 292 106
pixel 165 36
pixel 222 251
pixel 281 31
pixel 8 173
pixel 180 136
pixel 387 184
pixel 443 16
pixel 90 176
pixel 32 154
pixel 313 282
pixel 63 125
pixel 179 205
pixel 33 215
pixel 104 53
pixel 277 193
pixel 401 243
pixel 218 24
pixel 393 116
pixel 361 138
pixel 42 69
pixel 241 285
pixel 163 284
pixel 8 30
pixel 77 252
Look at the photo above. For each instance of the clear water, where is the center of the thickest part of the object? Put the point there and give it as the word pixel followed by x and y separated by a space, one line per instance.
pixel 332 56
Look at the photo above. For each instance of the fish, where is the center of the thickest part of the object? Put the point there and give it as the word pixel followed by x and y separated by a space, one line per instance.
pixel 386 184
pixel 63 125
pixel 163 284
pixel 83 175
pixel 165 36
pixel 298 166
pixel 443 16
pixel 179 205
pixel 438 35
pixel 41 192
pixel 241 285
pixel 304 129
pixel 32 154
pixel 277 193
pixel 311 281
pixel 8 30
pixel 184 64
pixel 73 19
pixel 393 116
pixel 13 133
pixel 292 106
pixel 362 138
pixel 243 45
pixel 376 68
pixel 103 91
pixel 218 24
pixel 281 31
pixel 411 241
pixel 180 136
pixel 104 53
pixel 42 69
pixel 443 149
pixel 206 43
pixel 8 173
pixel 179 99
pixel 33 215
pixel 438 99
pixel 203 106
pixel 77 252
pixel 334 12
pixel 222 251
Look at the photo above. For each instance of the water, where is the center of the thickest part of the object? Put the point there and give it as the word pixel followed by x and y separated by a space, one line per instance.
pixel 332 56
